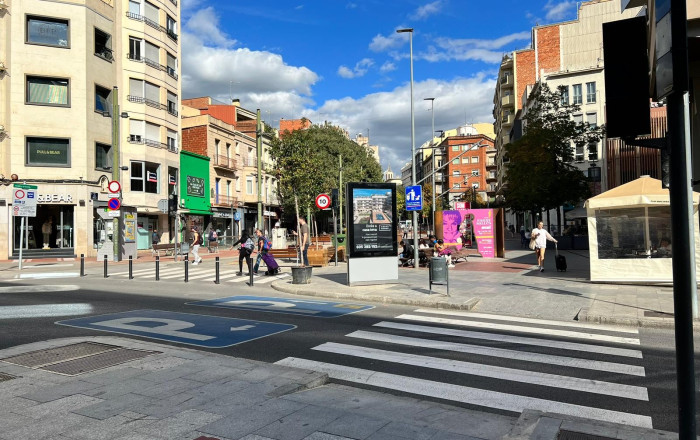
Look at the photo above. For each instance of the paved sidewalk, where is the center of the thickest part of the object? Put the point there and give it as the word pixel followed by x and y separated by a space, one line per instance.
pixel 182 394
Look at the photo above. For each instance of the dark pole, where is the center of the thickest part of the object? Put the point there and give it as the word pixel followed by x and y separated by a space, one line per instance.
pixel 105 266
pixel 187 270
pixel 131 267
pixel 82 265
pixel 249 261
pixel 157 267
pixel 216 280
pixel 684 287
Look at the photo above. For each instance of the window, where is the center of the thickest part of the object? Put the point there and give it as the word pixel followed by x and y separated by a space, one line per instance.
pixel 238 183
pixel 47 152
pixel 171 28
pixel 592 119
pixel 103 156
pixel 145 177
pixel 564 90
pixel 228 150
pixel 249 185
pixel 455 148
pixel 172 140
pixel 465 160
pixel 579 153
pixel 594 174
pixel 172 65
pixel 172 180
pixel 48 91
pixel 172 104
pixel 590 92
pixel 238 148
pixel 135 7
pixel 152 135
pixel 151 15
pixel 137 131
pixel 103 45
pixel 102 99
pixel 135 90
pixel 456 185
pixel 152 94
pixel 135 50
pixel 152 55
pixel 578 98
pixel 47 31
pixel 455 162
pixel 466 147
pixel 593 151
pixel 475 159
pixel 455 173
pixel 475 172
pixel 228 188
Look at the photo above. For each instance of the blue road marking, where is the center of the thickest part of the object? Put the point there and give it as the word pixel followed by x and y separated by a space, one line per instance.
pixel 184 328
pixel 318 309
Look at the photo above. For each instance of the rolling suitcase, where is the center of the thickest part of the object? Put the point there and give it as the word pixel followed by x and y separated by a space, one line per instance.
pixel 559 260
pixel 272 266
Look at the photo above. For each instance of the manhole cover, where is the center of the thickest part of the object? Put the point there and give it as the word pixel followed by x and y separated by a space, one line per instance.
pixel 569 435
pixel 49 356
pixel 4 377
pixel 652 314
pixel 97 361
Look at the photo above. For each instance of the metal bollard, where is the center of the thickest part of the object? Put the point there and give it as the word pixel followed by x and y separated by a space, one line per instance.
pixel 105 264
pixel 157 267
pixel 249 261
pixel 131 267
pixel 187 270
pixel 82 265
pixel 216 280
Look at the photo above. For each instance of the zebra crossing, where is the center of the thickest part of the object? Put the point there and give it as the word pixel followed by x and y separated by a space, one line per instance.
pixel 196 273
pixel 501 363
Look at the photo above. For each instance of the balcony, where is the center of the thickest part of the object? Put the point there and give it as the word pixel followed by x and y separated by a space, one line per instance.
pixel 507 119
pixel 506 80
pixel 491 164
pixel 224 162
pixel 508 101
pixel 250 162
pixel 491 177
pixel 224 201
pixel 141 140
pixel 148 102
pixel 505 139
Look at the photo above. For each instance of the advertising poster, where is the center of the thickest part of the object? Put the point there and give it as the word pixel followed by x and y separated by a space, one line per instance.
pixel 130 231
pixel 460 226
pixel 372 220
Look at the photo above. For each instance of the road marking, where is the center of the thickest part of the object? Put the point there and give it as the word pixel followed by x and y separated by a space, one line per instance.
pixel 587 364
pixel 521 329
pixel 463 394
pixel 528 320
pixel 492 371
pixel 45 266
pixel 44 311
pixel 139 271
pixel 45 275
pixel 42 288
pixel 513 339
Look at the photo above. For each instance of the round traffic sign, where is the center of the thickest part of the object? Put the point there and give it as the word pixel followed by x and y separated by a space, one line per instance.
pixel 19 194
pixel 323 201
pixel 114 204
pixel 114 186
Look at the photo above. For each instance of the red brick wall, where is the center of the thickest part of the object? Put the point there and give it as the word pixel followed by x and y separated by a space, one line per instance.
pixel 548 44
pixel 226 113
pixel 194 140
pixel 291 125
pixel 465 169
pixel 524 73
pixel 198 103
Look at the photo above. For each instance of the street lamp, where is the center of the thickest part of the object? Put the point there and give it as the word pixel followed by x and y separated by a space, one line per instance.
pixel 413 151
pixel 432 156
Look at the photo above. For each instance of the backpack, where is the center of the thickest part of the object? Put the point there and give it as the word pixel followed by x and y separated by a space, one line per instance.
pixel 199 239
pixel 249 245
pixel 267 244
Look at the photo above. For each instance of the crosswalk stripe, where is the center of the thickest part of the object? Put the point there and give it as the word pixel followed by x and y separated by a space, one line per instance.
pixel 587 364
pixel 521 329
pixel 527 320
pixel 240 279
pixel 513 339
pixel 134 272
pixel 492 371
pixel 463 394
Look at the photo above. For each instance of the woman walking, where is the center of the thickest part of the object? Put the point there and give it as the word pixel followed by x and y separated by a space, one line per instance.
pixel 244 252
pixel 540 236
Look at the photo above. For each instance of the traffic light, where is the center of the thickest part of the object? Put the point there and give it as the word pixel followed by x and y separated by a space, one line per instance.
pixel 334 198
pixel 172 203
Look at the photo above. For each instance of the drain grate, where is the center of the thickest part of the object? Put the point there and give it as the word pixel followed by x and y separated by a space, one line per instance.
pixel 97 361
pixel 49 356
pixel 653 314
pixel 570 435
pixel 4 377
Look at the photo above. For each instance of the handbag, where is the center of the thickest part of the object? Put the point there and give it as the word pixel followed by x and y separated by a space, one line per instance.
pixel 532 244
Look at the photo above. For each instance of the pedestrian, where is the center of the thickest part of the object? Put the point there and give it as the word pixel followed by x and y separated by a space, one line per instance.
pixel 197 241
pixel 261 249
pixel 304 241
pixel 244 252
pixel 523 239
pixel 444 251
pixel 540 235
pixel 405 231
pixel 46 232
pixel 155 239
pixel 212 237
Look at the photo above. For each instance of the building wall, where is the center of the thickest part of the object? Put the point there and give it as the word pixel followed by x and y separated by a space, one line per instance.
pixel 525 73
pixel 548 47
pixel 476 160
pixel 194 135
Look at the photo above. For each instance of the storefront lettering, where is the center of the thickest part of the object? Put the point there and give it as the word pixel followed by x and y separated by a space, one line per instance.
pixel 54 198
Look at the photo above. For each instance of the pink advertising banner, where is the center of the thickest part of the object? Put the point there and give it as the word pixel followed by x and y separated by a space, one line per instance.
pixel 459 227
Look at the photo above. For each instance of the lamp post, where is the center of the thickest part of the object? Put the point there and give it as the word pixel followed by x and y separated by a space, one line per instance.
pixel 432 157
pixel 413 151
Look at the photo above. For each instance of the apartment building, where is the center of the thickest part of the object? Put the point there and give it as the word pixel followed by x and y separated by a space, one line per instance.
pixel 63 64
pixel 363 140
pixel 466 171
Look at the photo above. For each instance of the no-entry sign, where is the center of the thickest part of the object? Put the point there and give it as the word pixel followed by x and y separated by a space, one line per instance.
pixel 114 187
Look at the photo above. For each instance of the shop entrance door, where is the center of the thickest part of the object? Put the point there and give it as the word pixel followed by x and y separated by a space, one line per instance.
pixel 56 220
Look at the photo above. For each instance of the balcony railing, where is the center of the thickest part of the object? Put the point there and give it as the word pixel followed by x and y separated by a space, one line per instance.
pixel 224 162
pixel 148 102
pixel 222 200
pixel 250 162
pixel 142 140
pixel 154 24
pixel 151 63
pixel 508 101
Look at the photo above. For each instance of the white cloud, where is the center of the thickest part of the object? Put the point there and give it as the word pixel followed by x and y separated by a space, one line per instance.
pixel 300 7
pixel 359 70
pixel 489 51
pixel 559 11
pixel 387 67
pixel 425 11
pixel 388 114
pixel 380 43
pixel 205 25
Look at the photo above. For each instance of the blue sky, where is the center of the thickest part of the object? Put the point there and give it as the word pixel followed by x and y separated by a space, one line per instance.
pixel 342 61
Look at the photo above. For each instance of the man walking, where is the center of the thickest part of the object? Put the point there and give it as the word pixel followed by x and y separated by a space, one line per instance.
pixel 304 244
pixel 196 242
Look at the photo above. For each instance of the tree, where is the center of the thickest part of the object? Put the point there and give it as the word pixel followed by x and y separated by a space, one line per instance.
pixel 540 174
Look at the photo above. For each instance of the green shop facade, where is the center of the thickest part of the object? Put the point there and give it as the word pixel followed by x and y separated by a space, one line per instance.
pixel 195 205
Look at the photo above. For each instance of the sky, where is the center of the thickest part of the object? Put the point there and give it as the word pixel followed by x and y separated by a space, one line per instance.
pixel 343 62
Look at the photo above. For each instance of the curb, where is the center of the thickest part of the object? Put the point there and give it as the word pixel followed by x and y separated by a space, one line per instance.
pixel 632 322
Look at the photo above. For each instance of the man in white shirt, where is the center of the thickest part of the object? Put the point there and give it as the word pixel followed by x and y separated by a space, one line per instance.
pixel 540 235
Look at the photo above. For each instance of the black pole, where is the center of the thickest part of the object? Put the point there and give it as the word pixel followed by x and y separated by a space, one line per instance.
pixel 216 280
pixel 683 262
pixel 82 265
pixel 157 267
pixel 249 262
pixel 131 267
pixel 187 269
pixel 105 266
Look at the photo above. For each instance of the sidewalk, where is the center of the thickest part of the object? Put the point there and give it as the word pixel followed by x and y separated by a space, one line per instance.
pixel 180 394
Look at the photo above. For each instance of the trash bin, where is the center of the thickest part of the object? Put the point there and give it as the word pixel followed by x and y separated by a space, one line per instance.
pixel 301 275
pixel 438 273
pixel 339 240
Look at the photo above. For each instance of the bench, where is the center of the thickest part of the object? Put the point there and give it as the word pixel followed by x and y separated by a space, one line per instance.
pixel 167 247
pixel 285 253
pixel 213 247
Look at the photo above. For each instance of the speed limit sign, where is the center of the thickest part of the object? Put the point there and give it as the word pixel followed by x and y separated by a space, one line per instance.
pixel 323 201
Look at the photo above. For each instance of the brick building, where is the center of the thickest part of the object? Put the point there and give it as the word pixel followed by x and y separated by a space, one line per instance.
pixel 467 169
pixel 290 125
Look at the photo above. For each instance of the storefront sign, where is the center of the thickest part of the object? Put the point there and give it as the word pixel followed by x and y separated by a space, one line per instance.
pixel 219 214
pixel 54 198
pixel 457 227
pixel 195 186
pixel 373 210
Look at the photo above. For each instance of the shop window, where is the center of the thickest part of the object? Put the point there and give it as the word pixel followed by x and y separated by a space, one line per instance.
pixel 622 233
pixel 47 152
pixel 102 99
pixel 103 156
pixel 47 31
pixel 48 91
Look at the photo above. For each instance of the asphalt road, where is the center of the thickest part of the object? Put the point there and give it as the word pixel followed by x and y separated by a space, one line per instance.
pixel 486 362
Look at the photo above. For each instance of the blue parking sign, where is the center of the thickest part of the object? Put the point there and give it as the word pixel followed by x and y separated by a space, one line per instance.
pixel 414 198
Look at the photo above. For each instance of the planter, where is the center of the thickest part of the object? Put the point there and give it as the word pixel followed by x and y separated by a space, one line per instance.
pixel 301 275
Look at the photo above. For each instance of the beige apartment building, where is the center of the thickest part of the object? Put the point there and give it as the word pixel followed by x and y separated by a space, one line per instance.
pixel 61 61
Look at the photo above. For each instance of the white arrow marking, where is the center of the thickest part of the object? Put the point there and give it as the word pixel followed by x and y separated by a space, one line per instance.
pixel 242 328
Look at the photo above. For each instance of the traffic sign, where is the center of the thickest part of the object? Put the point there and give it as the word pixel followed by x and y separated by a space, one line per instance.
pixel 114 204
pixel 184 328
pixel 24 186
pixel 114 187
pixel 24 200
pixel 323 201
pixel 414 198
pixel 318 309
pixel 115 213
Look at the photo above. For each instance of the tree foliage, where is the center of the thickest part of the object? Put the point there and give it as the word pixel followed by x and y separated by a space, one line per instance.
pixel 540 174
pixel 308 164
